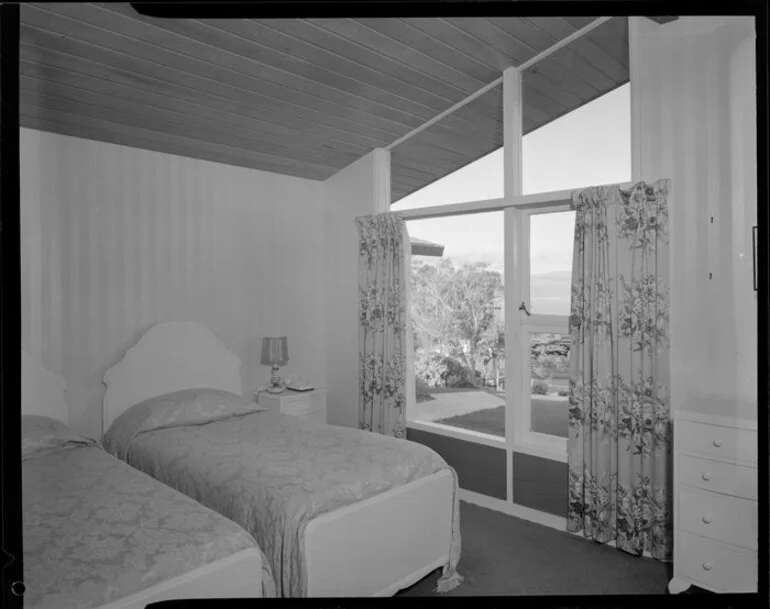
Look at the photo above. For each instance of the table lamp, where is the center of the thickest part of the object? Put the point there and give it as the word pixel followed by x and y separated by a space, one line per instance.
pixel 275 353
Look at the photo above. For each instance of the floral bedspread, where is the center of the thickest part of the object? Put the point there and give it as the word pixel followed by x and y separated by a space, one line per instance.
pixel 274 473
pixel 96 530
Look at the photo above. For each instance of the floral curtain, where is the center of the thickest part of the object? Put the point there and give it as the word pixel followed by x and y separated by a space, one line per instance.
pixel 382 285
pixel 619 444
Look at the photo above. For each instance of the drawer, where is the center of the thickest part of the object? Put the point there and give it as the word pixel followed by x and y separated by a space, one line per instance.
pixel 729 519
pixel 319 416
pixel 715 566
pixel 717 441
pixel 300 407
pixel 737 480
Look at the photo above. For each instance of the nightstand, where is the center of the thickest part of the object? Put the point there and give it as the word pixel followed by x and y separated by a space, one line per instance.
pixel 306 404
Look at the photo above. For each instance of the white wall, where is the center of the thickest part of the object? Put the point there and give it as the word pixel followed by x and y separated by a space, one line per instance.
pixel 116 239
pixel 694 119
pixel 360 189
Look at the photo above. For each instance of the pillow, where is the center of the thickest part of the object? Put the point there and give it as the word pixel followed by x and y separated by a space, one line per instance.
pixel 41 434
pixel 194 407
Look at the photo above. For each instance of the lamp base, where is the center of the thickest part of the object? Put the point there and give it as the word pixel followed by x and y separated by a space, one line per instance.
pixel 276 384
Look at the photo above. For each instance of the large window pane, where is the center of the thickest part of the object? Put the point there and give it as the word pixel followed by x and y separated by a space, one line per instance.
pixel 549 383
pixel 457 308
pixel 551 240
pixel 586 147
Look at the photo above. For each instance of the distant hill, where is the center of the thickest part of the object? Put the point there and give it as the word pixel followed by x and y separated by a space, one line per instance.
pixel 550 292
pixel 555 276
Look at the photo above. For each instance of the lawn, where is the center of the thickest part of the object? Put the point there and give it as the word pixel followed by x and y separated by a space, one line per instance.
pixel 548 417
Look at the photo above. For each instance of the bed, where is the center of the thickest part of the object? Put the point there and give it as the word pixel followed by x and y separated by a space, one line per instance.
pixel 99 533
pixel 337 511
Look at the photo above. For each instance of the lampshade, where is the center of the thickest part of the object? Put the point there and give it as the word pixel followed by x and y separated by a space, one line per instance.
pixel 275 351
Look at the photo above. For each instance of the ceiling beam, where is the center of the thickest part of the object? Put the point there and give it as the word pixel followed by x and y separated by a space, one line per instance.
pixel 446 112
pixel 553 48
pixel 564 42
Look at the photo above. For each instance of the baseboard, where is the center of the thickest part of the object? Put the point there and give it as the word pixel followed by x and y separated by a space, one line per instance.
pixel 519 511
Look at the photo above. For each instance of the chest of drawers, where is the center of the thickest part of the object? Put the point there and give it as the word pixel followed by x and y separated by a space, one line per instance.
pixel 715 501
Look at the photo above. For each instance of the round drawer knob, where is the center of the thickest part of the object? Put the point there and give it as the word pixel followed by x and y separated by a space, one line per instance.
pixel 707 566
pixel 717 443
pixel 706 519
pixel 706 476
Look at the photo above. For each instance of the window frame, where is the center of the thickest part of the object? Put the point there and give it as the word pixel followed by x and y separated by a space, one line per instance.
pixel 524 439
pixel 513 204
pixel 518 436
pixel 516 210
pixel 516 207
pixel 442 429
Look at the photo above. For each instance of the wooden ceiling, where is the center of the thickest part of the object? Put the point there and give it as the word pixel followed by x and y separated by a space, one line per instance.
pixel 303 97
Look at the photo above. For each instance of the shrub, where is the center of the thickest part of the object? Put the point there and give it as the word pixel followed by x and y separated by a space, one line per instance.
pixel 430 368
pixel 458 382
pixel 457 374
pixel 441 371
pixel 563 393
pixel 422 390
pixel 452 380
pixel 540 387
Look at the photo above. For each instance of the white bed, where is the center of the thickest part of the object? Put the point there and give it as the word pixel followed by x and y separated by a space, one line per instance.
pixel 235 576
pixel 344 554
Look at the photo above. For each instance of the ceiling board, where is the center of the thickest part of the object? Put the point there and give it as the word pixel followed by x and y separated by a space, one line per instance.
pixel 177 52
pixel 170 118
pixel 463 41
pixel 34 117
pixel 69 71
pixel 303 97
pixel 237 146
pixel 132 68
pixel 409 46
pixel 381 53
pixel 186 68
pixel 266 48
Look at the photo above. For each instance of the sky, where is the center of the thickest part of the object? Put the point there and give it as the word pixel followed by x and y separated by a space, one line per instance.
pixel 589 146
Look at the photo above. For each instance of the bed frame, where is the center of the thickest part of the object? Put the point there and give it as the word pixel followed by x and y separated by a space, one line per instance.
pixel 231 577
pixel 345 554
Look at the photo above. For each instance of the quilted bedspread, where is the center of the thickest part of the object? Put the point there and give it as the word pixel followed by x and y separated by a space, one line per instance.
pixel 96 530
pixel 273 473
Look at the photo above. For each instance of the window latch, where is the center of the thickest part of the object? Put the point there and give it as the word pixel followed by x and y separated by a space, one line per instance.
pixel 523 307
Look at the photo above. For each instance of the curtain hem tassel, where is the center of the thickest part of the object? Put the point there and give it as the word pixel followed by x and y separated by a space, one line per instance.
pixel 447 583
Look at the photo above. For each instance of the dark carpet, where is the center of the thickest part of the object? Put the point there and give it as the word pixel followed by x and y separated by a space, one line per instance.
pixel 503 555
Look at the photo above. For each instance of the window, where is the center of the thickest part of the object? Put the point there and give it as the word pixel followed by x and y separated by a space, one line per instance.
pixel 458 325
pixel 591 145
pixel 551 238
pixel 482 179
pixel 545 250
pixel 522 402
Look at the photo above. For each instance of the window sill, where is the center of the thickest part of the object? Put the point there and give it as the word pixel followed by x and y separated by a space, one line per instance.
pixel 458 433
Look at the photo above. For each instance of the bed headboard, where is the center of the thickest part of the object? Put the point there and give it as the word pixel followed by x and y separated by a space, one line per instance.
pixel 42 391
pixel 171 356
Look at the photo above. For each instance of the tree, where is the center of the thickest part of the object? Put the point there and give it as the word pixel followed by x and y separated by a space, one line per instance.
pixel 454 311
pixel 492 347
